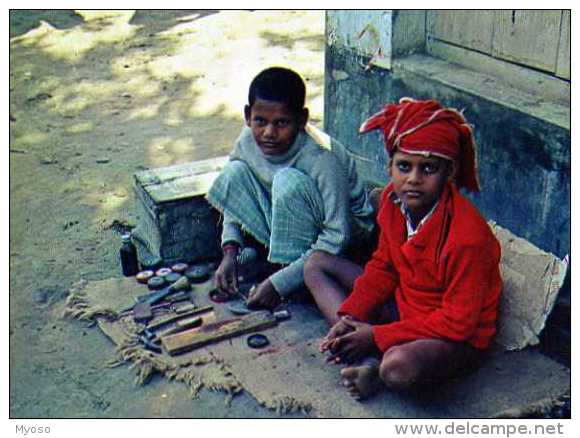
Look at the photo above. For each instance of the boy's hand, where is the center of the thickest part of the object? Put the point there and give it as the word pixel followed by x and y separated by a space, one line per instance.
pixel 354 345
pixel 263 296
pixel 226 275
pixel 338 329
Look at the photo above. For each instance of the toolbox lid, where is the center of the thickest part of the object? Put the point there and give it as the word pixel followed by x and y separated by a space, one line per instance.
pixel 180 181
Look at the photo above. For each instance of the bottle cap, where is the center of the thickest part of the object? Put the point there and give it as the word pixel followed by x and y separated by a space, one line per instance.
pixel 172 277
pixel 156 283
pixel 180 267
pixel 197 273
pixel 162 272
pixel 144 276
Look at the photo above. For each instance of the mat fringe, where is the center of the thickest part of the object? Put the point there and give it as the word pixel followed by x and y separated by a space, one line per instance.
pixel 220 378
pixel 196 373
pixel 288 405
pixel 78 307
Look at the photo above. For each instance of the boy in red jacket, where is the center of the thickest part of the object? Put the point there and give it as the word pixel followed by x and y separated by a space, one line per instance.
pixel 436 267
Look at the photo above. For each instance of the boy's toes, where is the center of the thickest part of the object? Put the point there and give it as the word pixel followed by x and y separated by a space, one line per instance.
pixel 349 381
pixel 349 373
pixel 362 381
pixel 351 388
pixel 356 395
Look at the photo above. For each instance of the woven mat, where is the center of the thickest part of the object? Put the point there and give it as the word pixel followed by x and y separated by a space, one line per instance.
pixel 290 375
pixel 219 367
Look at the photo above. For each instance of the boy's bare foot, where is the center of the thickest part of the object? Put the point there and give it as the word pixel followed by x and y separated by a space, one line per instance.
pixel 362 380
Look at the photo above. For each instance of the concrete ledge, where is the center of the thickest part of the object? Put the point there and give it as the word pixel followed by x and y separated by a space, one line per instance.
pixel 488 87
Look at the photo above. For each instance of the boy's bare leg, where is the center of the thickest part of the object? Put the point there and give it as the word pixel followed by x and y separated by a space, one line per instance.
pixel 330 279
pixel 406 366
pixel 425 361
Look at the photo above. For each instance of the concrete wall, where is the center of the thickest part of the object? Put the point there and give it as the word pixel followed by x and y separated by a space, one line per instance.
pixel 523 141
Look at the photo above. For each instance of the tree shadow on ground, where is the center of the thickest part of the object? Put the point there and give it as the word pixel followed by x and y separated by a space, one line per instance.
pixel 275 39
pixel 160 20
pixel 112 91
pixel 22 21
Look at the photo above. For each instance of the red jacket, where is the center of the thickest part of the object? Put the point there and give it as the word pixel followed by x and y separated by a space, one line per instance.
pixel 446 279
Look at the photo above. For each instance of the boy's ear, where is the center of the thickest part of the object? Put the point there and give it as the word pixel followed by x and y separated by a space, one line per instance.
pixel 303 117
pixel 247 114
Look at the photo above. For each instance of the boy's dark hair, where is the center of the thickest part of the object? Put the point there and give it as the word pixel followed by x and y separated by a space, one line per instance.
pixel 279 84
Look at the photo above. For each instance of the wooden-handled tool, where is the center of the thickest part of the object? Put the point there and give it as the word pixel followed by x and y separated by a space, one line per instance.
pixel 179 285
pixel 183 325
pixel 149 299
pixel 214 332
pixel 172 318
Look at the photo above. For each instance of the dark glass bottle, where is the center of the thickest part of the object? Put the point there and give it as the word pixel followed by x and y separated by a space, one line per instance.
pixel 128 253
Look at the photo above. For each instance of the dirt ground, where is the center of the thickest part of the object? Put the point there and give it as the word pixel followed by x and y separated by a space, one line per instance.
pixel 94 97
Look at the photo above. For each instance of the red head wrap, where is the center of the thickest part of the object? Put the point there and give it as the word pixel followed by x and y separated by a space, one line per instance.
pixel 425 127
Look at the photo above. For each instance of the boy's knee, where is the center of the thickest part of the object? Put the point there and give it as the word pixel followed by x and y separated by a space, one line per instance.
pixel 288 183
pixel 315 264
pixel 398 369
pixel 234 169
pixel 235 173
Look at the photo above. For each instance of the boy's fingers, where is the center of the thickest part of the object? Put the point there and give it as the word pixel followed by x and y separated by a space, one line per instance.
pixel 333 358
pixel 325 344
pixel 349 322
pixel 253 302
pixel 335 345
pixel 333 333
pixel 235 279
pixel 219 282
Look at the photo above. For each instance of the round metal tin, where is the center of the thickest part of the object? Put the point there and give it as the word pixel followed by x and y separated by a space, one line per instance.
pixel 163 272
pixel 218 297
pixel 197 273
pixel 172 277
pixel 156 283
pixel 257 340
pixel 144 276
pixel 180 267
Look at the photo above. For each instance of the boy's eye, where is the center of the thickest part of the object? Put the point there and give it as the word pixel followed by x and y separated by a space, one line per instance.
pixel 282 123
pixel 430 168
pixel 403 166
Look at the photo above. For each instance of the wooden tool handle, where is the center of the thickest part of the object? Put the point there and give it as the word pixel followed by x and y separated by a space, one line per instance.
pixel 191 339
pixel 161 322
pixel 181 284
pixel 184 325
